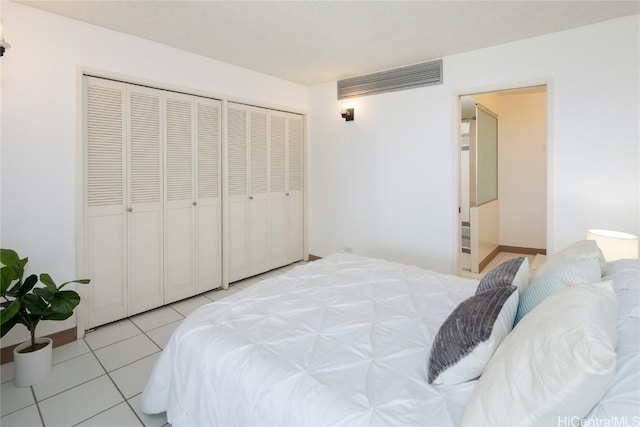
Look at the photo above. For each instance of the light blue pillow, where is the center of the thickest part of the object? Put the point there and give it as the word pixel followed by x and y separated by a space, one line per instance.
pixel 555 278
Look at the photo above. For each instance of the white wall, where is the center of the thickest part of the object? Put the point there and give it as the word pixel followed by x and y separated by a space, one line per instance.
pixel 386 184
pixel 40 117
pixel 522 169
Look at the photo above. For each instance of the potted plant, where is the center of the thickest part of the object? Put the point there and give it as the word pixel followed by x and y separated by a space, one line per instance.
pixel 24 302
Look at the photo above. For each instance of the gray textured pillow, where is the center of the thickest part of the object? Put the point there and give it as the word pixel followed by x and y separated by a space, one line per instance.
pixel 513 272
pixel 467 339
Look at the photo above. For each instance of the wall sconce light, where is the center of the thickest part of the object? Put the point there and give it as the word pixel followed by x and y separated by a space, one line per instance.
pixel 347 112
pixel 615 244
pixel 3 44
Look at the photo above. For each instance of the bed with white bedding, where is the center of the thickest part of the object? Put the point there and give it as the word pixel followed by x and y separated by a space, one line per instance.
pixel 344 340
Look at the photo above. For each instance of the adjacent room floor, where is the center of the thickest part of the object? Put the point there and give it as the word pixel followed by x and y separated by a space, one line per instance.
pixel 534 262
pixel 98 380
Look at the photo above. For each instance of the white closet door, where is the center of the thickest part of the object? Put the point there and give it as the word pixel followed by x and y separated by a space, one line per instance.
pixel 145 216
pixel 105 227
pixel 295 185
pixel 238 191
pixel 208 189
pixel 277 190
pixel 179 197
pixel 259 193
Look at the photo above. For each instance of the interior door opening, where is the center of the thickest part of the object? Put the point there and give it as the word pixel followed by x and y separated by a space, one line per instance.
pixel 503 170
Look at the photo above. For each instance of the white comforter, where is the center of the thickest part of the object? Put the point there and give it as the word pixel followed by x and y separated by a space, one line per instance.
pixel 345 341
pixel 340 341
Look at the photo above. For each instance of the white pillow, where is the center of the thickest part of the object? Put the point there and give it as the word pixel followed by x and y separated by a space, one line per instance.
pixel 472 332
pixel 556 364
pixel 583 249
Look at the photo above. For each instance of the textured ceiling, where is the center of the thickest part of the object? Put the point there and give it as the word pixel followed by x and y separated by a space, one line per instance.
pixel 312 42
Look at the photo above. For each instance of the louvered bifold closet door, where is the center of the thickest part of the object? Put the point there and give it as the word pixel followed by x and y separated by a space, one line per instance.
pixel 145 213
pixel 105 197
pixel 180 198
pixel 208 195
pixel 238 191
pixel 277 186
pixel 295 186
pixel 259 192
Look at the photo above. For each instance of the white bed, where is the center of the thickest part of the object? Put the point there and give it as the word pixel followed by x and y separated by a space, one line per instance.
pixel 341 341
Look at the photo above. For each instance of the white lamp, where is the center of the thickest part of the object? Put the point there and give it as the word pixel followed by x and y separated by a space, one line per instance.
pixel 615 244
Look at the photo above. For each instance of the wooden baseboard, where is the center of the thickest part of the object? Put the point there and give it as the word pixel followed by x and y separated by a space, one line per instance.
pixel 59 338
pixel 519 250
pixel 314 257
pixel 511 249
pixel 488 258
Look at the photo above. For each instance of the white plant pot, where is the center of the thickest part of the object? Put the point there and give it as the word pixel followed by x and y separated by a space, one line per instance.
pixel 31 368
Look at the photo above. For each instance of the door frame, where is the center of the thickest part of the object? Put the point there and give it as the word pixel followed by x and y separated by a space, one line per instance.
pixel 457 138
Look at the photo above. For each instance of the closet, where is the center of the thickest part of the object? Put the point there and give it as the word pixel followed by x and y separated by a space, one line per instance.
pixel 152 215
pixel 156 185
pixel 264 170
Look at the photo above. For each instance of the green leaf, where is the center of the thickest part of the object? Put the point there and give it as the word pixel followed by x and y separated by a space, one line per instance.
pixel 48 281
pixel 44 293
pixel 9 312
pixel 65 302
pixel 81 281
pixel 7 276
pixel 6 326
pixel 9 257
pixel 27 285
pixel 50 315
pixel 34 304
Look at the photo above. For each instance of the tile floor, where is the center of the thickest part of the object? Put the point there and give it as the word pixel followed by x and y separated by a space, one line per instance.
pixel 98 380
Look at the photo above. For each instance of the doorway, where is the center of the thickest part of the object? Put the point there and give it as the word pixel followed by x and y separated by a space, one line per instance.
pixel 512 217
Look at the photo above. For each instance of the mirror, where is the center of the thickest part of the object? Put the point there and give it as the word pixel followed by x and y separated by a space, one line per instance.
pixel 486 156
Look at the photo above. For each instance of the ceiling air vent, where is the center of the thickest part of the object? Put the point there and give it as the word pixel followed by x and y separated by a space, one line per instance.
pixel 412 76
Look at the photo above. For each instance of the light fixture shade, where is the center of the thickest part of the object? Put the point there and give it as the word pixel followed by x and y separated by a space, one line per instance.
pixel 615 244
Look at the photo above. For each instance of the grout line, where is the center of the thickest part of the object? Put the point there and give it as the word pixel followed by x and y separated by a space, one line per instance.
pixel 115 385
pixel 71 388
pixel 115 342
pixel 101 412
pixel 33 392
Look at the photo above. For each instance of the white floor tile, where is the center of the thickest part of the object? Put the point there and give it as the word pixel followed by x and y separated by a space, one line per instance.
pixel 69 351
pixel 68 374
pixel 6 372
pixel 155 318
pixel 27 417
pixel 112 333
pixel 155 420
pixel 80 403
pixel 14 398
pixel 125 352
pixel 118 416
pixel 132 378
pixel 187 306
pixel 161 335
